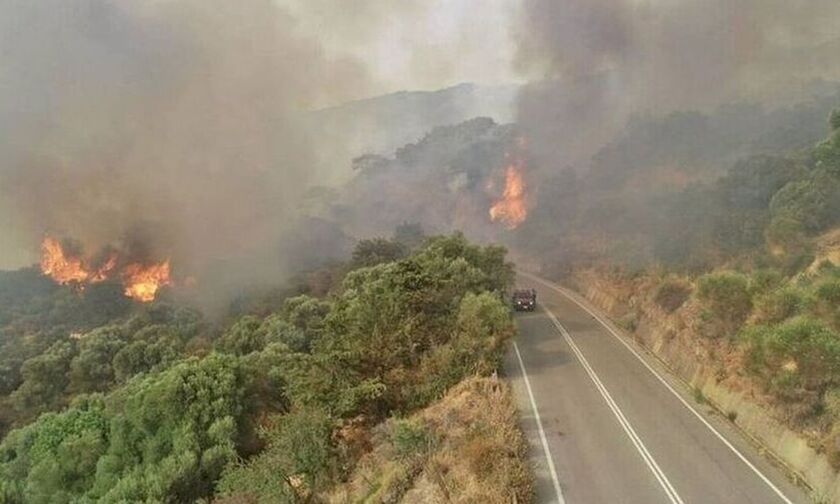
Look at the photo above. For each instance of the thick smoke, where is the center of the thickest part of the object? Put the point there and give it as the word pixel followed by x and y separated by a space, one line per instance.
pixel 596 62
pixel 173 124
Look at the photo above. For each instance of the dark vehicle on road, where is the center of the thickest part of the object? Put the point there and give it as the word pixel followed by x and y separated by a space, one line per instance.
pixel 524 299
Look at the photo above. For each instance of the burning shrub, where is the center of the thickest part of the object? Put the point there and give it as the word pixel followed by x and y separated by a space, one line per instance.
pixel 67 265
pixel 510 209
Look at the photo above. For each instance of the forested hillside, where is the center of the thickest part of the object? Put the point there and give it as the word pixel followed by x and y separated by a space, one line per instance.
pixel 111 402
pixel 687 189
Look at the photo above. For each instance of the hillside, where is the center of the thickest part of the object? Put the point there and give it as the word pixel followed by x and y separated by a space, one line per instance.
pixel 466 447
pixel 108 401
pixel 382 124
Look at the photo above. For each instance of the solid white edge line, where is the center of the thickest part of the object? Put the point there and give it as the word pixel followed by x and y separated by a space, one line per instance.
pixel 657 471
pixel 543 439
pixel 685 403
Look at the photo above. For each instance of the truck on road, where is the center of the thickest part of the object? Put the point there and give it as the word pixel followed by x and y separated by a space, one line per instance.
pixel 524 299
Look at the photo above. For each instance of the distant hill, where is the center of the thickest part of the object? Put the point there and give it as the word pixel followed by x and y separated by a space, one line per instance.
pixel 384 123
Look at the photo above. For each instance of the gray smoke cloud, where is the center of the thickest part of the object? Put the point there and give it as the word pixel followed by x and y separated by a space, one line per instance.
pixel 174 123
pixel 595 62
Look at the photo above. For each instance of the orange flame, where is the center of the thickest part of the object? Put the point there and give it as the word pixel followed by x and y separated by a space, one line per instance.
pixel 141 282
pixel 62 268
pixel 104 271
pixel 510 210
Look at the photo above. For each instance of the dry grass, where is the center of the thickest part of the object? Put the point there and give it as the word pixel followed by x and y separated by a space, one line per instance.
pixel 472 452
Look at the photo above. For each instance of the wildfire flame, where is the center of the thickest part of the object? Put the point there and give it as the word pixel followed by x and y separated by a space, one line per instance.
pixel 141 281
pixel 510 209
pixel 59 266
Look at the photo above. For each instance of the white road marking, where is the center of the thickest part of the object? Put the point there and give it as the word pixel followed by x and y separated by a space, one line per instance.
pixel 685 403
pixel 543 439
pixel 666 485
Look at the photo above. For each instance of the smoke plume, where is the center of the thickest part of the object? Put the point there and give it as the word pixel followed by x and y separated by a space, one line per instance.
pixel 596 62
pixel 174 125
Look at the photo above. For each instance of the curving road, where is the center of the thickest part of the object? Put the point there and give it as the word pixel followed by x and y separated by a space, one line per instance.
pixel 608 424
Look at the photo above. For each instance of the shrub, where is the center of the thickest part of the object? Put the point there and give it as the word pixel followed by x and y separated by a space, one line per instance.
pixel 831 401
pixel 727 296
pixel 298 460
pixel 629 322
pixel 800 352
pixel 410 438
pixel 765 280
pixel 671 295
pixel 829 291
pixel 781 304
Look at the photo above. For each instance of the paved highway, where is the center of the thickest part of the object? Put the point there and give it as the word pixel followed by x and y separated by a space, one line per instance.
pixel 608 424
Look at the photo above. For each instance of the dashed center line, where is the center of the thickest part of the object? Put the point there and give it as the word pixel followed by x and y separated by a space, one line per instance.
pixel 572 297
pixel 666 485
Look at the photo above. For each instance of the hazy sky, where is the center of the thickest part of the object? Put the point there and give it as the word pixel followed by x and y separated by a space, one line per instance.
pixel 415 44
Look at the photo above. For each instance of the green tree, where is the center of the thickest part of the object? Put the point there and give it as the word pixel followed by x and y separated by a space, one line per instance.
pixel 172 434
pixel 278 330
pixel 91 370
pixel 307 314
pixel 376 251
pixel 44 379
pixel 299 459
pixel 828 151
pixel 150 348
pixel 243 337
pixel 54 459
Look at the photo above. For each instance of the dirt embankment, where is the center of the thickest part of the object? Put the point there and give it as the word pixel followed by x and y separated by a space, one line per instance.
pixel 713 367
pixel 467 447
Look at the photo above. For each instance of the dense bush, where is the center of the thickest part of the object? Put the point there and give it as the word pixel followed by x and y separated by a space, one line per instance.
pixel 765 280
pixel 799 353
pixel 829 291
pixel 781 304
pixel 299 459
pixel 165 437
pixel 727 296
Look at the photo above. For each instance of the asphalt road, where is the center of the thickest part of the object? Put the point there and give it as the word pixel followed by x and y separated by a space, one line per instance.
pixel 608 424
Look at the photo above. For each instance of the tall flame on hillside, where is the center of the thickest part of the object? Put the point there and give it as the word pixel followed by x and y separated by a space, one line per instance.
pixel 510 209
pixel 140 280
pixel 60 266
pixel 142 283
